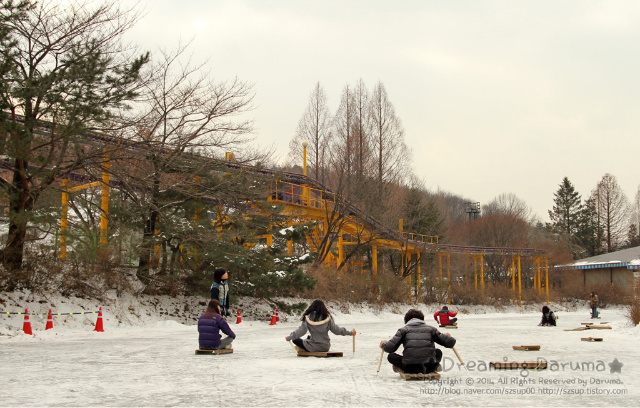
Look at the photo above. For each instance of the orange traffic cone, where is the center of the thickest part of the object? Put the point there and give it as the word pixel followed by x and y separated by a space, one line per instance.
pixel 273 318
pixel 49 321
pixel 99 327
pixel 239 320
pixel 26 327
pixel 277 316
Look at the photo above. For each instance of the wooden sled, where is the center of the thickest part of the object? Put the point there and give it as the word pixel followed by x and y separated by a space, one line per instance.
pixel 518 365
pixel 578 328
pixel 591 339
pixel 419 377
pixel 319 353
pixel 452 326
pixel 598 326
pixel 591 324
pixel 221 351
pixel 526 348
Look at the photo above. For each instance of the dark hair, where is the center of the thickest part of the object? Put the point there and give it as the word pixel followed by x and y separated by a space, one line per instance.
pixel 217 274
pixel 445 308
pixel 413 314
pixel 317 307
pixel 545 309
pixel 213 306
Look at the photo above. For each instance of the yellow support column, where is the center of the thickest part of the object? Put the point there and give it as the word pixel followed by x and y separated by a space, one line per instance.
pixel 482 277
pixel 513 278
pixel 519 283
pixel 546 280
pixel 63 219
pixel 340 249
pixel 418 280
pixel 374 261
pixel 449 278
pixel 475 271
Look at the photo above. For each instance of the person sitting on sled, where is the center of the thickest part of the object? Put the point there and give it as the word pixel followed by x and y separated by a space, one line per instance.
pixel 418 339
pixel 318 322
pixel 210 324
pixel 445 317
pixel 548 317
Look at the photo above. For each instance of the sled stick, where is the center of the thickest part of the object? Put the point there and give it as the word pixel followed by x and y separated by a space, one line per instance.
pixel 457 355
pixel 380 362
pixel 354 343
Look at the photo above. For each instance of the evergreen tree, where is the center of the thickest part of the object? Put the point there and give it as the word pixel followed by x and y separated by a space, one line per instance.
pixel 64 72
pixel 590 234
pixel 421 217
pixel 567 208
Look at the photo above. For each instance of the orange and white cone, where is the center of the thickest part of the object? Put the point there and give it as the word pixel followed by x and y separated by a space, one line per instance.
pixel 239 320
pixel 49 321
pixel 277 316
pixel 273 318
pixel 99 326
pixel 26 327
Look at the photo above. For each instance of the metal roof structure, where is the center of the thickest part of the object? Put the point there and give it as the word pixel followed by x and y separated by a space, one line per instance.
pixel 629 258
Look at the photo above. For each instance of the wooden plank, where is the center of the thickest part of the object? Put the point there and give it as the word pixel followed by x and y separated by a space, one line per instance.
pixel 578 328
pixel 591 339
pixel 420 377
pixel 516 365
pixel 598 327
pixel 221 351
pixel 320 354
pixel 527 348
pixel 449 327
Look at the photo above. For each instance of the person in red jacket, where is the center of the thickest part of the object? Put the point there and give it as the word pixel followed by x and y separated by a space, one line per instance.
pixel 444 316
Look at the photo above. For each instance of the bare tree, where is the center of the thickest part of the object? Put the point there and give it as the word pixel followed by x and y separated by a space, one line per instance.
pixel 392 157
pixel 362 129
pixel 508 204
pixel 184 118
pixel 343 141
pixel 612 209
pixel 65 73
pixel 315 129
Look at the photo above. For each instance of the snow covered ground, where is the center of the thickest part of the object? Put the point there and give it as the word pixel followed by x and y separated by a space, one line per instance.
pixel 147 359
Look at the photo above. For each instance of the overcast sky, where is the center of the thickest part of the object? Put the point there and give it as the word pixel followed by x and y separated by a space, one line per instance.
pixel 494 96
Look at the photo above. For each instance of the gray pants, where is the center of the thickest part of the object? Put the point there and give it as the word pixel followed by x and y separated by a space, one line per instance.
pixel 225 342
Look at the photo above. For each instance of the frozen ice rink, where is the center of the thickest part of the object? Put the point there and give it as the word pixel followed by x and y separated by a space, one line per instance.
pixel 155 365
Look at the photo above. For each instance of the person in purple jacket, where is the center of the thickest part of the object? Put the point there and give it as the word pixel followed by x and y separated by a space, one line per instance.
pixel 210 325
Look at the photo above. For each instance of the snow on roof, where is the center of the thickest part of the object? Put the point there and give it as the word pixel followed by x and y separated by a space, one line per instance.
pixel 626 257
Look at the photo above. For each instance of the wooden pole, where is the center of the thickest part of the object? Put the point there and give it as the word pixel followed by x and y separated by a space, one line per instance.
pixel 380 362
pixel 354 343
pixel 458 355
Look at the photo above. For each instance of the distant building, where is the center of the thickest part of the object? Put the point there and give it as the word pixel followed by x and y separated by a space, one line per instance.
pixel 618 268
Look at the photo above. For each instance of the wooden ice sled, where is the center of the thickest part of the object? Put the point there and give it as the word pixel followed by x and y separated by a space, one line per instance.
pixel 591 339
pixel 526 348
pixel 319 353
pixel 221 351
pixel 518 365
pixel 419 377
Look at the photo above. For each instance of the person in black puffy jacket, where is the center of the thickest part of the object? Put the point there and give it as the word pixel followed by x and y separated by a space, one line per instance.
pixel 210 325
pixel 418 339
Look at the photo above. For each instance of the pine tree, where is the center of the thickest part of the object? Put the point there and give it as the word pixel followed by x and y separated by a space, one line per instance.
pixel 420 217
pixel 565 216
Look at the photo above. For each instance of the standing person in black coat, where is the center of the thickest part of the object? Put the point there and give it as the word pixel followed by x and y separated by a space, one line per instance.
pixel 220 290
pixel 420 354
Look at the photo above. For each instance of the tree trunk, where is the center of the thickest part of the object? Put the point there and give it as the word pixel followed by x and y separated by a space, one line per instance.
pixel 20 204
